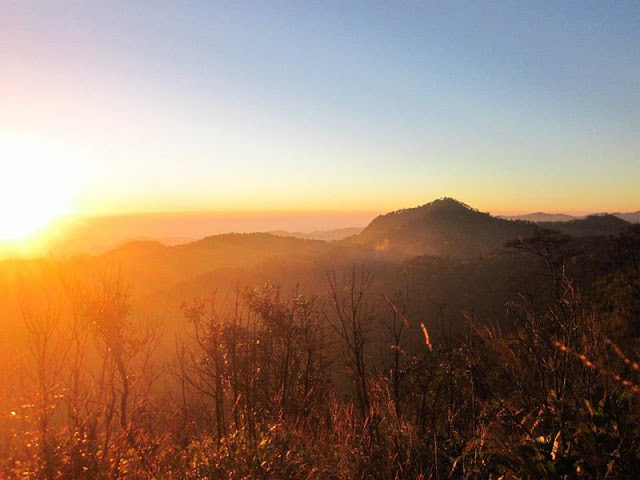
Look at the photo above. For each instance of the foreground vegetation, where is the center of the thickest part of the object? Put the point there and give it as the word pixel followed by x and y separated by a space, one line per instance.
pixel 349 384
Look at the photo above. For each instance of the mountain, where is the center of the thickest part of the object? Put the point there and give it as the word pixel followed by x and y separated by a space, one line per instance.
pixel 541 217
pixel 152 264
pixel 593 225
pixel 96 234
pixel 632 217
pixel 442 227
pixel 164 276
pixel 325 235
pixel 447 227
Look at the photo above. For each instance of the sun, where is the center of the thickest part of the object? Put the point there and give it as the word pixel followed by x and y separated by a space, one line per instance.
pixel 37 185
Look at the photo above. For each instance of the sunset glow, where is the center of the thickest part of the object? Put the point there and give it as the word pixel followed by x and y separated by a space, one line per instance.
pixel 309 240
pixel 250 106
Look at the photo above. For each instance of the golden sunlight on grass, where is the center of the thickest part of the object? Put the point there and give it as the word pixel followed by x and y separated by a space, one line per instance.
pixel 36 186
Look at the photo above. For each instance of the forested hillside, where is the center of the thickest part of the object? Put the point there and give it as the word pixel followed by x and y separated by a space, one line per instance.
pixel 467 347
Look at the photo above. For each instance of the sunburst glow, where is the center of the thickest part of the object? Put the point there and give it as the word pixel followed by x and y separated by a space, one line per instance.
pixel 37 185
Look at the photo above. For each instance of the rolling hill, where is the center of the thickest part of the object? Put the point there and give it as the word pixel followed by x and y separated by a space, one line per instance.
pixel 447 227
pixel 442 227
pixel 541 217
pixel 325 235
pixel 593 225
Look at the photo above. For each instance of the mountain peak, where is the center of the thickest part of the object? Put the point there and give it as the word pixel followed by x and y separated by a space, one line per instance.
pixel 445 226
pixel 449 202
pixel 441 204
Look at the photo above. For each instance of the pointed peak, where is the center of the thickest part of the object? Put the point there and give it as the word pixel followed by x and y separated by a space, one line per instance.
pixel 449 203
pixel 444 204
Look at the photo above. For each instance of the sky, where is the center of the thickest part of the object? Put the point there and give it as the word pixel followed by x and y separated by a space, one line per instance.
pixel 256 106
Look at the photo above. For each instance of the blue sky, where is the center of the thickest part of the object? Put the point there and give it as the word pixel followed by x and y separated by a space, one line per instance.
pixel 324 106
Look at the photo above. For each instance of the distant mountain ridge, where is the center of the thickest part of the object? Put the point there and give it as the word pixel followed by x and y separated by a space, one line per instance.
pixel 451 228
pixel 539 217
pixel 593 225
pixel 162 265
pixel 325 235
pixel 632 217
pixel 444 227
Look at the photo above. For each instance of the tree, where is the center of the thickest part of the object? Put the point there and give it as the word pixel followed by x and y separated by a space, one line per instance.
pixel 352 320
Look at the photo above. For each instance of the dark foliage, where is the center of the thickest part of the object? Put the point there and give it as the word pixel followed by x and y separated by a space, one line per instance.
pixel 517 364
